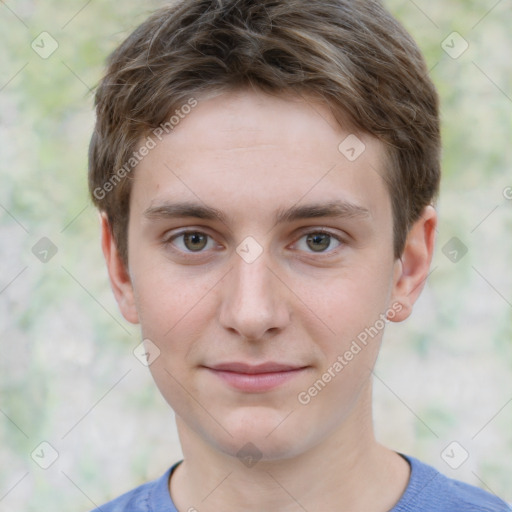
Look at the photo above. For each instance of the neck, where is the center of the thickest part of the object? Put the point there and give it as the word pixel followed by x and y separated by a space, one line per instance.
pixel 348 471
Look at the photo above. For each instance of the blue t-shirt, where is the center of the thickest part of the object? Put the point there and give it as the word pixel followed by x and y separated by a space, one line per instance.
pixel 427 491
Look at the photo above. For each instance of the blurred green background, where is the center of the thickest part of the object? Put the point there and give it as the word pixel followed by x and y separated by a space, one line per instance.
pixel 68 376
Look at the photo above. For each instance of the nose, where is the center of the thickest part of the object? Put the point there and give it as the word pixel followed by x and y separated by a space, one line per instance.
pixel 254 302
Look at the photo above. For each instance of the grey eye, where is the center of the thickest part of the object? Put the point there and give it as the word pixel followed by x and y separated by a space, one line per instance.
pixel 318 242
pixel 195 241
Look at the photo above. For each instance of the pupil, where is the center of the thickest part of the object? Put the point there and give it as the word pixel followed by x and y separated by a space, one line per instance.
pixel 319 238
pixel 195 241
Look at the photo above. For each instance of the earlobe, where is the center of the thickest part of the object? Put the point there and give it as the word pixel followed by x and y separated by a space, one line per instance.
pixel 412 268
pixel 120 280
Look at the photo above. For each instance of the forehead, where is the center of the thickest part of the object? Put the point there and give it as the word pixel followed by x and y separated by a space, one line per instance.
pixel 251 152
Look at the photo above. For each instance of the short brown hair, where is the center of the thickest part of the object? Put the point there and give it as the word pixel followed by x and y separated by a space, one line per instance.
pixel 352 54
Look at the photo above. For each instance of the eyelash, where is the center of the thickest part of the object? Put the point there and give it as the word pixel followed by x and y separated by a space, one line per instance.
pixel 169 241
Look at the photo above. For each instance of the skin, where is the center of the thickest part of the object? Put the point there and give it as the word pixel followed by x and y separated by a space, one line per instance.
pixel 250 156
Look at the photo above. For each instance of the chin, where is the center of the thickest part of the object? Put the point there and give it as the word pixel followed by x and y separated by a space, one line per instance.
pixel 251 449
pixel 262 434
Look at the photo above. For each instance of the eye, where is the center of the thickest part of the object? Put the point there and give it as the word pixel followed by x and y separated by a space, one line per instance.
pixel 190 241
pixel 319 241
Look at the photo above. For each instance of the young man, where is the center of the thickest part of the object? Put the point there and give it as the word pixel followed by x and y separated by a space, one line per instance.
pixel 265 172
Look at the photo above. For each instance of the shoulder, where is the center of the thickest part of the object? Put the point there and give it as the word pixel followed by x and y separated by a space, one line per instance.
pixel 143 498
pixel 430 490
pixel 135 500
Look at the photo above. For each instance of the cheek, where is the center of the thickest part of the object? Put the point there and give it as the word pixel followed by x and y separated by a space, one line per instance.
pixel 167 298
pixel 354 310
pixel 174 315
pixel 176 310
pixel 351 302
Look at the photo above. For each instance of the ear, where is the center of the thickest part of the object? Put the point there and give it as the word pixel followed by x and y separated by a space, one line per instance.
pixel 120 280
pixel 411 269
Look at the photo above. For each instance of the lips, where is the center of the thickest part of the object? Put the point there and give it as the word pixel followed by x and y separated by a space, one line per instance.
pixel 259 378
pixel 269 367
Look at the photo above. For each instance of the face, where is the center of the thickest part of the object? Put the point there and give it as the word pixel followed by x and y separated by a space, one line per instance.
pixel 260 263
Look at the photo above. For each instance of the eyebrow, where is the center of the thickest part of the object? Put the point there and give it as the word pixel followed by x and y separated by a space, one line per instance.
pixel 333 209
